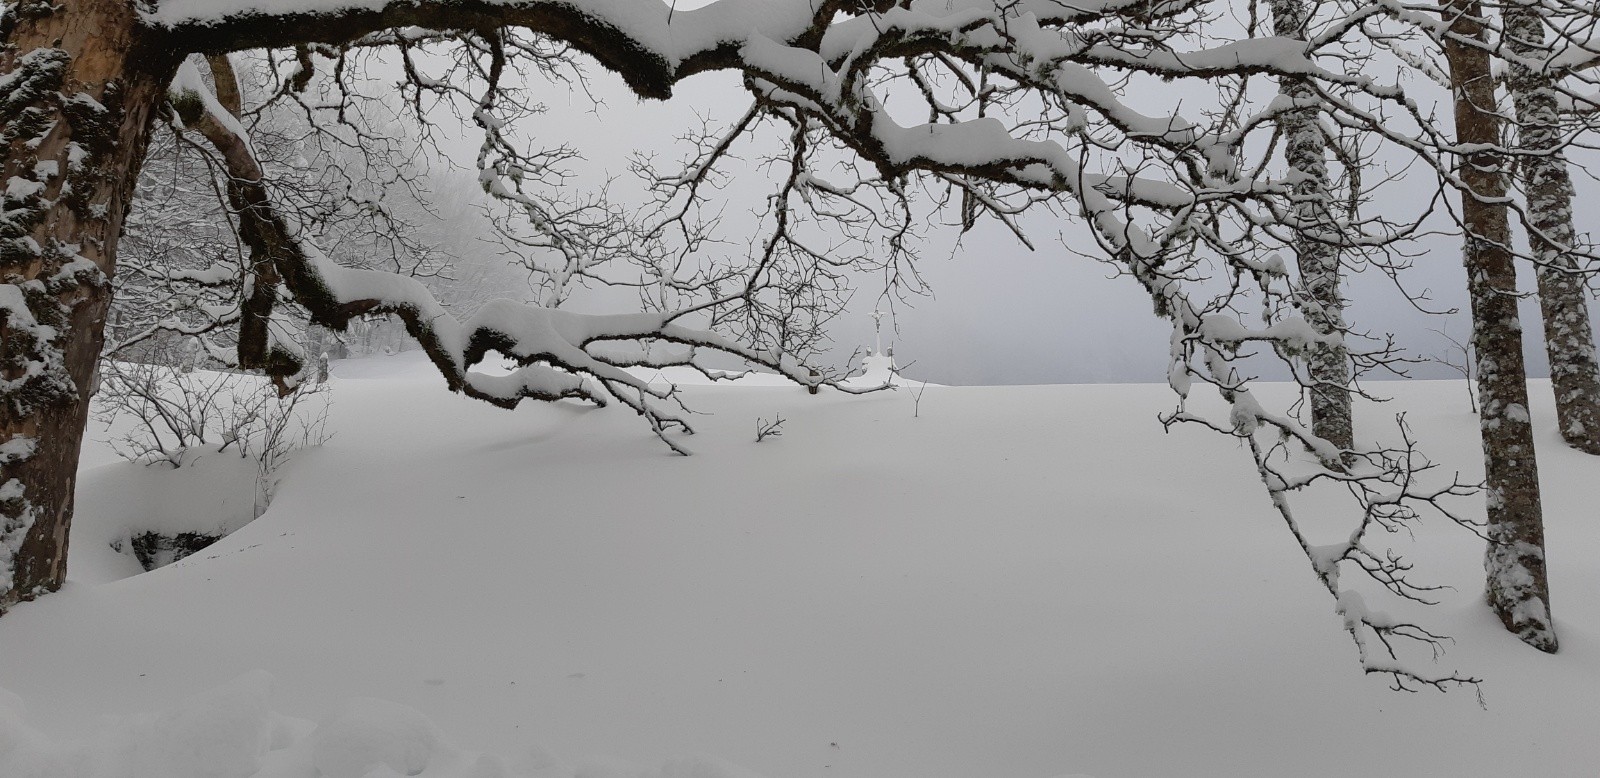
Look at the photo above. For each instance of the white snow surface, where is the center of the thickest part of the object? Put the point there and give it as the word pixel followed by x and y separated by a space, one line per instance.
pixel 1019 582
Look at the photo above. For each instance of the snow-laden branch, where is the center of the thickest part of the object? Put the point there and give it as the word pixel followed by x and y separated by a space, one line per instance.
pixel 558 353
pixel 820 63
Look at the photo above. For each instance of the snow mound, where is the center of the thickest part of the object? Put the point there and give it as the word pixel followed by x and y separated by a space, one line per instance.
pixel 214 493
pixel 369 733
pixel 219 733
pixel 231 732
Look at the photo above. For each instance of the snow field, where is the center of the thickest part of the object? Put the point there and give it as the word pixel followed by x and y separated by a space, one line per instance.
pixel 1023 582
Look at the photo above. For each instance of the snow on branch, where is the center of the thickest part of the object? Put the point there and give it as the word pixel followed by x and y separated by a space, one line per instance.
pixel 559 354
pixel 1165 194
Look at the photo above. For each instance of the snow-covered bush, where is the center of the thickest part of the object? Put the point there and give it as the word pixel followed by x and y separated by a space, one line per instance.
pixel 175 417
pixel 175 410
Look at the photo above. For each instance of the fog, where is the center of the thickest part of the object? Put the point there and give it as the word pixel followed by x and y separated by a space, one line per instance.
pixel 997 312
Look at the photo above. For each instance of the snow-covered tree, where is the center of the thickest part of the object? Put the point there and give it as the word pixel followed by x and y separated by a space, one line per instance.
pixel 1475 159
pixel 1317 237
pixel 1166 195
pixel 1547 86
pixel 1518 585
pixel 1543 132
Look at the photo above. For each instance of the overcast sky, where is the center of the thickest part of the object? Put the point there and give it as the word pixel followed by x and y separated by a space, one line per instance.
pixel 1001 314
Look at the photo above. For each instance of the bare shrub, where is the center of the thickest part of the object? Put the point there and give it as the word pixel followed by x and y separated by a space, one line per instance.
pixel 177 411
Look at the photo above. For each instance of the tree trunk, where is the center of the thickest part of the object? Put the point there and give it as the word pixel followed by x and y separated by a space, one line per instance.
pixel 1568 339
pixel 79 81
pixel 1315 245
pixel 1518 589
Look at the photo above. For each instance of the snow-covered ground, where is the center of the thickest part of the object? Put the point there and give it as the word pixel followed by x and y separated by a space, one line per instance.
pixel 1016 582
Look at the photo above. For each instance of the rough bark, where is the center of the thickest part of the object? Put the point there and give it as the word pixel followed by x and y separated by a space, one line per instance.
pixel 1518 589
pixel 1316 241
pixel 1547 182
pixel 79 87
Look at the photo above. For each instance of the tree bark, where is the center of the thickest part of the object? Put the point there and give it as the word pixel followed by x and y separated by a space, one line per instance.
pixel 1518 589
pixel 1563 299
pixel 78 84
pixel 1315 245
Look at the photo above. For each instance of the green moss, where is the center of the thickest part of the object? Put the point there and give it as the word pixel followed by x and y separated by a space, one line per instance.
pixel 188 105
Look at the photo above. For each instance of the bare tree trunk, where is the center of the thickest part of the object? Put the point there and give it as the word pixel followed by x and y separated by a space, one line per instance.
pixel 1320 299
pixel 1518 588
pixel 78 85
pixel 1568 339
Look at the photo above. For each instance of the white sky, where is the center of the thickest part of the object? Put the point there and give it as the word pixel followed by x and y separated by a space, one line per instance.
pixel 999 313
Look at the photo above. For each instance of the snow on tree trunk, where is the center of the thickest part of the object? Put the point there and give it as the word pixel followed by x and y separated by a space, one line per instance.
pixel 1574 374
pixel 1518 589
pixel 77 86
pixel 1318 254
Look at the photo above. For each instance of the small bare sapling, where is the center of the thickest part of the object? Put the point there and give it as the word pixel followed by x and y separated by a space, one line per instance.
pixel 769 429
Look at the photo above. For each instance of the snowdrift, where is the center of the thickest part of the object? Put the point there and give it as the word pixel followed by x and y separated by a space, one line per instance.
pixel 1016 582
